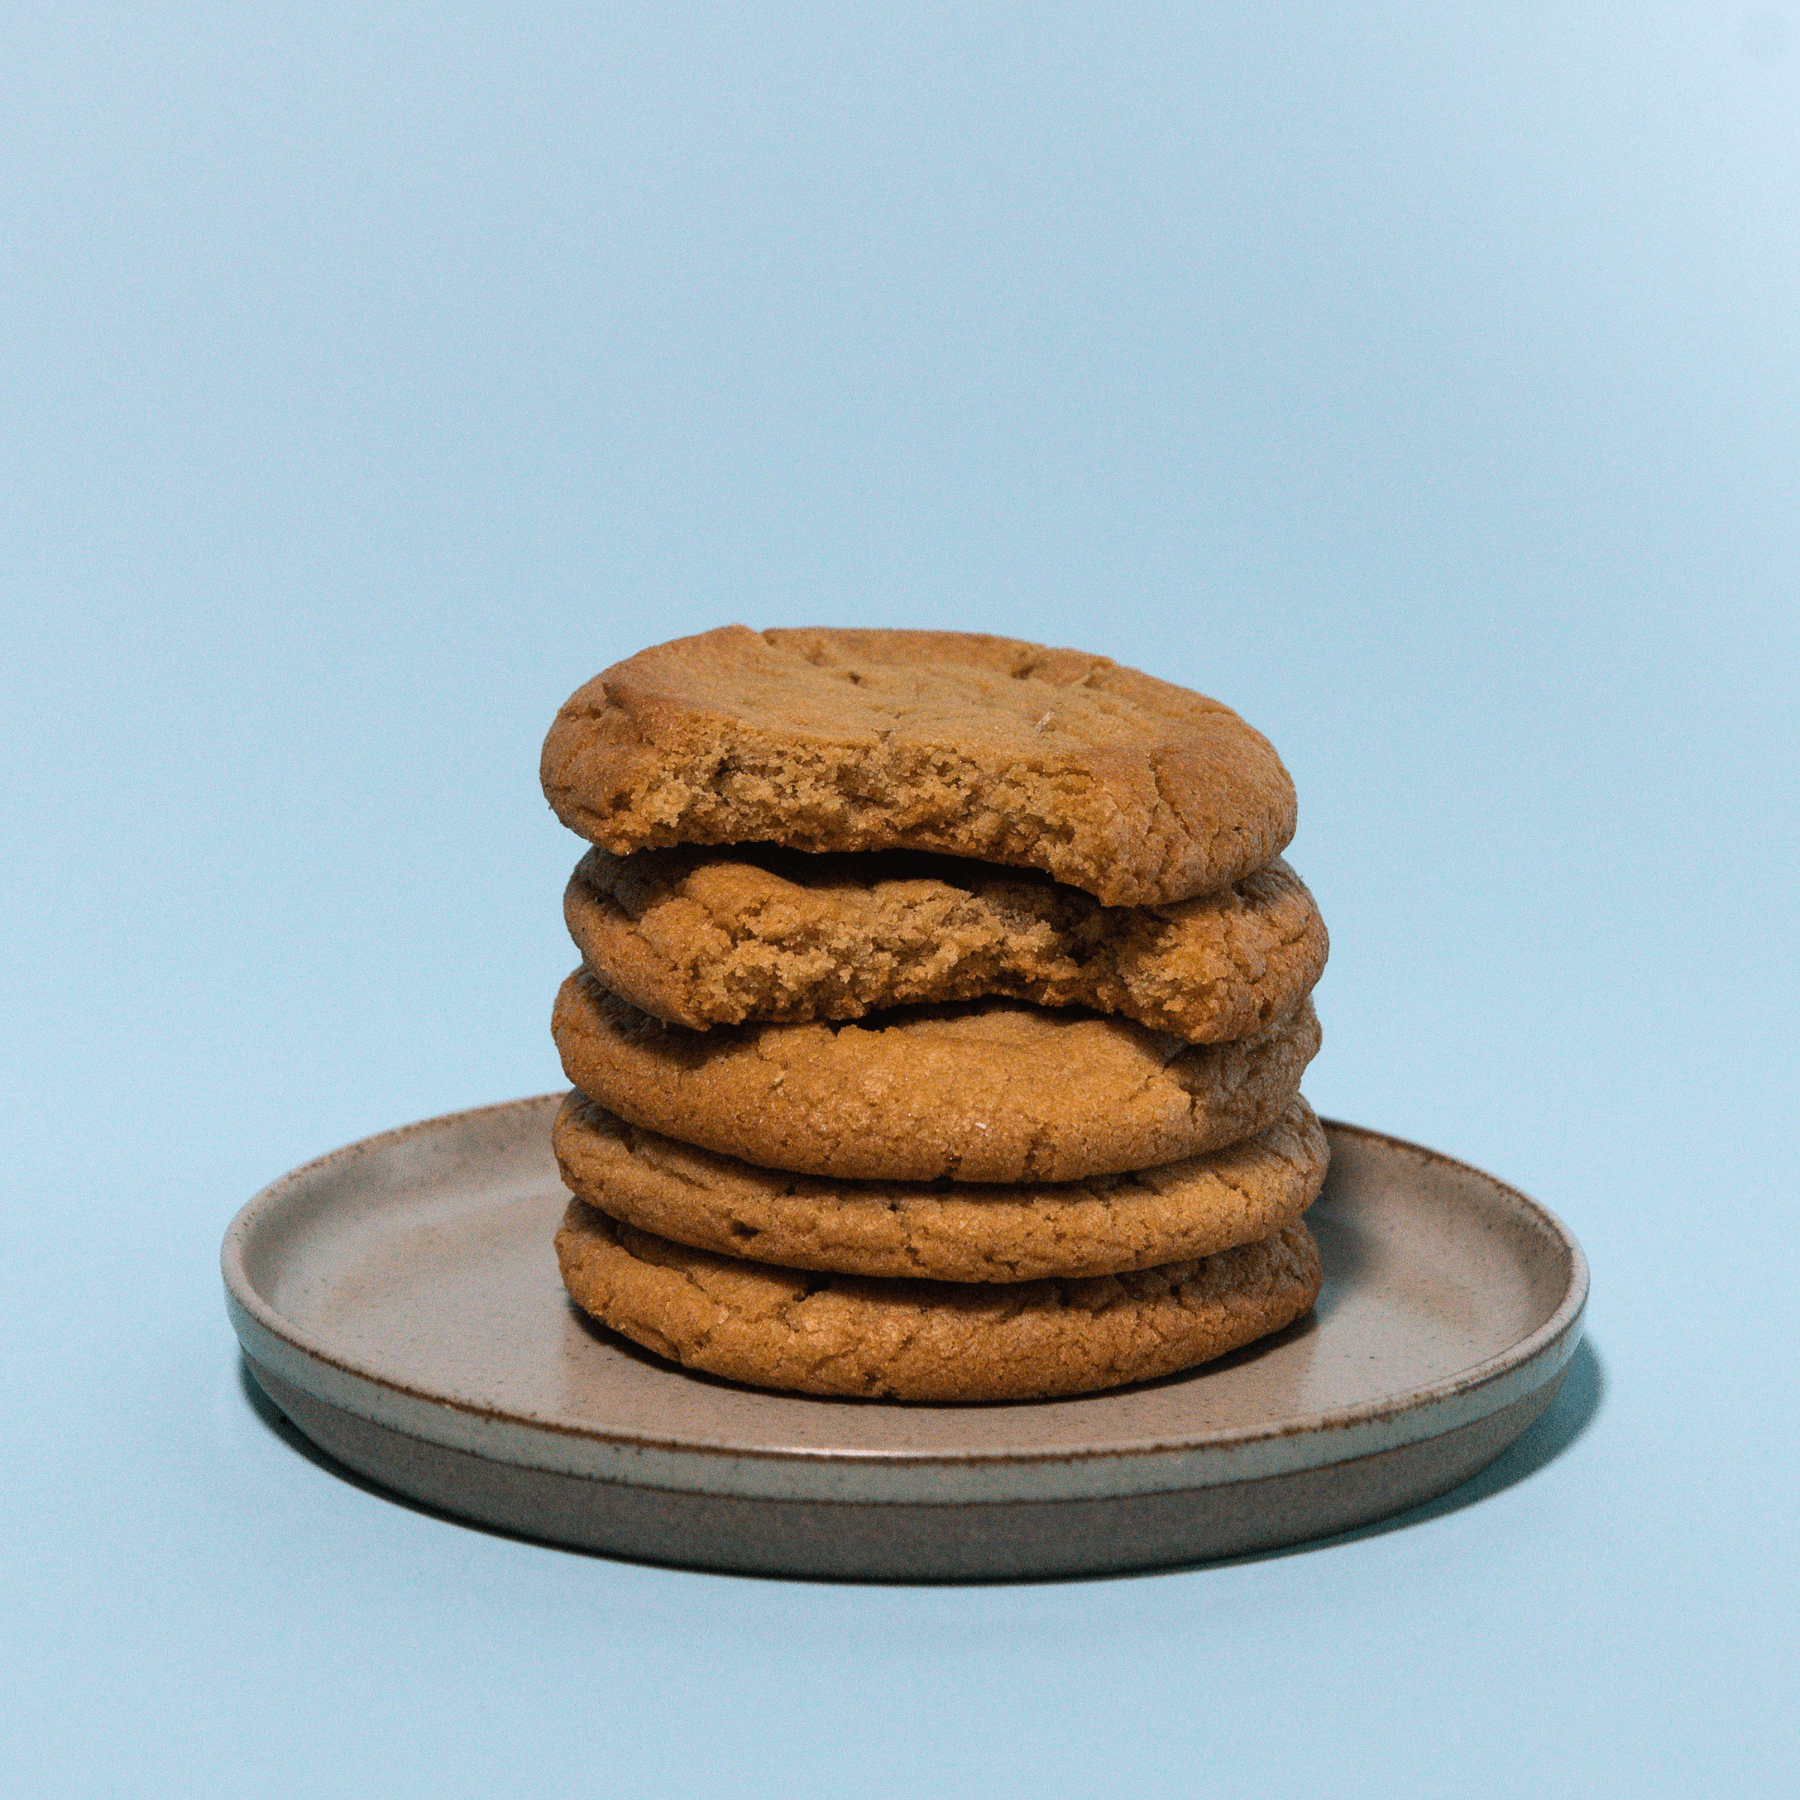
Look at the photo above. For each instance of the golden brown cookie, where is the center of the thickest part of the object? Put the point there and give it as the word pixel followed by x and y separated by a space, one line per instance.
pixel 1136 790
pixel 994 1090
pixel 929 1340
pixel 1102 1226
pixel 713 937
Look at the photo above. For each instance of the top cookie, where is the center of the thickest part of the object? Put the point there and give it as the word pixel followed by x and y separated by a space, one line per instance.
pixel 1136 790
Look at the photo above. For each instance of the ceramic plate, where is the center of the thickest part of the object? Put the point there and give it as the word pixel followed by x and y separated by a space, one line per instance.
pixel 399 1301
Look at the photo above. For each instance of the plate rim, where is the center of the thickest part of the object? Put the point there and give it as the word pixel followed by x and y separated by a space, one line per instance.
pixel 247 1306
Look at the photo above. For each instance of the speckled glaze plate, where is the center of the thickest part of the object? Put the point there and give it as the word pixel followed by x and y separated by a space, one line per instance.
pixel 399 1301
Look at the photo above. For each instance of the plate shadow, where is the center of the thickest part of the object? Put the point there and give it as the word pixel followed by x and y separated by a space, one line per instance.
pixel 1564 1421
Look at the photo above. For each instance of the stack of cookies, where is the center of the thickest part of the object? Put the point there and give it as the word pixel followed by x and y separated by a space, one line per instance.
pixel 941 1017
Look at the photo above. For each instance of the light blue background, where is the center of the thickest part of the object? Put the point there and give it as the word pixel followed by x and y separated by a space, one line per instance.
pixel 1422 380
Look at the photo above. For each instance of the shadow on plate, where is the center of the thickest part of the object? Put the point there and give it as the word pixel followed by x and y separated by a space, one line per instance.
pixel 1303 1327
pixel 1563 1422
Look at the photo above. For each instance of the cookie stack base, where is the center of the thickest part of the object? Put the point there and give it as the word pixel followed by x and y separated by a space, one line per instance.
pixel 899 1339
pixel 1176 1212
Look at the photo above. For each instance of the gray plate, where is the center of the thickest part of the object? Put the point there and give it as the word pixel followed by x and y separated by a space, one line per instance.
pixel 399 1301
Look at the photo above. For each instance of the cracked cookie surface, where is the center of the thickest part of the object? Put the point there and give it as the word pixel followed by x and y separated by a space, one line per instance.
pixel 1131 788
pixel 991 1090
pixel 928 1340
pixel 713 937
pixel 1103 1226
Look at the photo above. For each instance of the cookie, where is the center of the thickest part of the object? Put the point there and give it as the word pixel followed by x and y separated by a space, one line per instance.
pixel 713 937
pixel 929 1340
pixel 1133 789
pixel 993 1090
pixel 1107 1224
